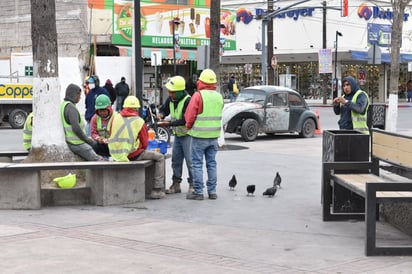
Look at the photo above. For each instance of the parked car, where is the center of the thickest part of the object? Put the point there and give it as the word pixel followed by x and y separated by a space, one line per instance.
pixel 270 110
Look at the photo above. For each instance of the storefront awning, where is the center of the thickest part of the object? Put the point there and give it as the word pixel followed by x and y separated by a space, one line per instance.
pixel 184 54
pixel 386 57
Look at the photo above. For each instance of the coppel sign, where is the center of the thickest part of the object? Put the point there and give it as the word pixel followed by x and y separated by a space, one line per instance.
pixel 16 91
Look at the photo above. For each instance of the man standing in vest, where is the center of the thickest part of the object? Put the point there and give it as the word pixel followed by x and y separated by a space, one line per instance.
pixel 176 106
pixel 129 139
pixel 204 120
pixel 74 127
pixel 27 131
pixel 100 125
pixel 352 106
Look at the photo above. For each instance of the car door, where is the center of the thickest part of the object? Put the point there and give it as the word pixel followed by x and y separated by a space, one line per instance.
pixel 276 113
pixel 297 107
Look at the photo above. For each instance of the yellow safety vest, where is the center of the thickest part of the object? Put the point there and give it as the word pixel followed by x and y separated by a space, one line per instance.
pixel 208 124
pixel 359 120
pixel 177 114
pixel 103 131
pixel 123 138
pixel 71 137
pixel 27 131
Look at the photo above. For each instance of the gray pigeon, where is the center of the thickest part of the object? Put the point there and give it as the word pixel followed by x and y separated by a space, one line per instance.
pixel 277 180
pixel 270 192
pixel 232 182
pixel 250 189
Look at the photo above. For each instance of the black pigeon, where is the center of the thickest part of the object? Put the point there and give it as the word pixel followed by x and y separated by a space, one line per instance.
pixel 270 192
pixel 277 180
pixel 232 182
pixel 250 189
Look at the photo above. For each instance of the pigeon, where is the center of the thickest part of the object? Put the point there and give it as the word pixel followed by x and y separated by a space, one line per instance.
pixel 270 192
pixel 250 189
pixel 232 182
pixel 277 180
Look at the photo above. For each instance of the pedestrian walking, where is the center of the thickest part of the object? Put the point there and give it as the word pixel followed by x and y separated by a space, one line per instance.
pixel 122 91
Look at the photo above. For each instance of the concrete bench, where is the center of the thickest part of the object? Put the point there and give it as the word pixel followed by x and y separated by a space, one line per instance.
pixel 9 155
pixel 111 183
pixel 364 179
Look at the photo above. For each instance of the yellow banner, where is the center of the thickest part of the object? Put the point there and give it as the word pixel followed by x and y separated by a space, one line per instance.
pixel 16 91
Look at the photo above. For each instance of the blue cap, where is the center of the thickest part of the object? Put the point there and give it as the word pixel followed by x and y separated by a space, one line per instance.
pixel 90 80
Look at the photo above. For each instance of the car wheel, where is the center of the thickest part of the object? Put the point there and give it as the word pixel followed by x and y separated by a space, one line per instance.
pixel 308 128
pixel 249 130
pixel 17 118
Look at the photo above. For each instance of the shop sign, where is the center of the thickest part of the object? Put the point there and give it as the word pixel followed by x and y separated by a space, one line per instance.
pixel 362 77
pixel 325 61
pixel 248 68
pixel 366 12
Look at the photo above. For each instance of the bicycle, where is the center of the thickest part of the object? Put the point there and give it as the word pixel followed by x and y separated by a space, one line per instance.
pixel 150 117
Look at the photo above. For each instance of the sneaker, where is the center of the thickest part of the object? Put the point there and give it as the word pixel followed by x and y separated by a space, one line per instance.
pixel 191 189
pixel 194 196
pixel 212 196
pixel 157 194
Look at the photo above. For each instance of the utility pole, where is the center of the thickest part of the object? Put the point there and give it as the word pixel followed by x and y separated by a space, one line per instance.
pixel 138 65
pixel 270 70
pixel 214 56
pixel 324 75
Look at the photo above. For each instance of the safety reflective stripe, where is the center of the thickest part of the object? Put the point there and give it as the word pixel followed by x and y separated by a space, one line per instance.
pixel 215 118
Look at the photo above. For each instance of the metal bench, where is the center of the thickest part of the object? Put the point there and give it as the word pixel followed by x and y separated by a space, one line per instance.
pixel 111 183
pixel 9 155
pixel 365 180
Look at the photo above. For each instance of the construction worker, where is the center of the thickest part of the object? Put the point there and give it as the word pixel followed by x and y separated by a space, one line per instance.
pixel 204 121
pixel 129 139
pixel 176 106
pixel 100 125
pixel 74 127
pixel 27 131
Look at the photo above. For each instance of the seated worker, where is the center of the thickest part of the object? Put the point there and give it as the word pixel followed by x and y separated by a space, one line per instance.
pixel 129 139
pixel 100 124
pixel 74 128
pixel 27 131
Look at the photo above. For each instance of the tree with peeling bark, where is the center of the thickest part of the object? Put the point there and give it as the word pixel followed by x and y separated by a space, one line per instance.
pixel 398 7
pixel 48 140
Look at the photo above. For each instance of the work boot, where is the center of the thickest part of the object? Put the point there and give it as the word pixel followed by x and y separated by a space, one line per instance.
pixel 157 193
pixel 174 188
pixel 194 196
pixel 191 189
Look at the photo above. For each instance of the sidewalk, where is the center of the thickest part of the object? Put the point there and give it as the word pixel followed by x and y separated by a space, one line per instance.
pixel 233 234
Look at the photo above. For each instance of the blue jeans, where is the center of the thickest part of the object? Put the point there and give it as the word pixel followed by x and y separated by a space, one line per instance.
pixel 232 96
pixel 208 148
pixel 182 150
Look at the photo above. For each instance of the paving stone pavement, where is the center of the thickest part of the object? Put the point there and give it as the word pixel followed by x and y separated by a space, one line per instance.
pixel 234 234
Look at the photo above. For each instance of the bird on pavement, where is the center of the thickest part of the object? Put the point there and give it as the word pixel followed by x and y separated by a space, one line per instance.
pixel 270 192
pixel 250 189
pixel 232 182
pixel 277 180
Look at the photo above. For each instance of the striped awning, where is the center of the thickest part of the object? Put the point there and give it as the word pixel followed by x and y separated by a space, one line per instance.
pixel 184 54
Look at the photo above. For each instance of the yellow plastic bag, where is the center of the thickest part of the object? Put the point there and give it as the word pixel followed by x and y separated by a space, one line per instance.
pixel 235 88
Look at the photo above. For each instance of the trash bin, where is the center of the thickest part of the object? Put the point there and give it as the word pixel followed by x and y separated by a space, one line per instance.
pixel 377 116
pixel 345 146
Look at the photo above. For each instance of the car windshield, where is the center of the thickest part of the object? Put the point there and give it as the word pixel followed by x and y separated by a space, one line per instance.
pixel 252 96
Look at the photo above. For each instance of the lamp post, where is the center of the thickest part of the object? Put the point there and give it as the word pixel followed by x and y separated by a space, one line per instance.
pixel 175 25
pixel 335 92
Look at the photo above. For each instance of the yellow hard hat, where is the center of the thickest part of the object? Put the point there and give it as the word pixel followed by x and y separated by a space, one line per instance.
pixel 131 102
pixel 67 181
pixel 208 76
pixel 176 83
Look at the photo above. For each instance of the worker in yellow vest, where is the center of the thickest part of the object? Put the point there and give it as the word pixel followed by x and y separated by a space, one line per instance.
pixel 27 131
pixel 204 121
pixel 129 139
pixel 74 126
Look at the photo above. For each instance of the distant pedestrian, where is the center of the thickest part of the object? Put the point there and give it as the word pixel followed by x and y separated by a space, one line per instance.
pixel 204 121
pixel 232 88
pixel 190 86
pixel 27 131
pixel 109 87
pixel 409 90
pixel 122 91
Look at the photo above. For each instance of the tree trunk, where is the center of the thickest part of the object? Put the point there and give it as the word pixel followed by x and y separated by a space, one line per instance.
pixel 48 140
pixel 397 25
pixel 215 38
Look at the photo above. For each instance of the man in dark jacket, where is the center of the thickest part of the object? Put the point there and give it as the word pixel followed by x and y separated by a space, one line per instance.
pixel 352 106
pixel 122 91
pixel 74 127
